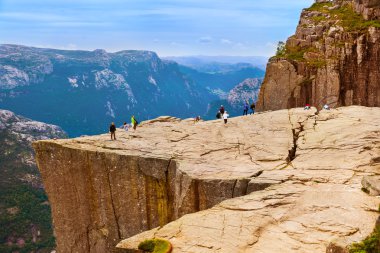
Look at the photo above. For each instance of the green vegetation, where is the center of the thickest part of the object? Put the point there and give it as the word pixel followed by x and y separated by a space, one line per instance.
pixel 347 17
pixel 320 7
pixel 365 190
pixel 32 212
pixel 297 54
pixel 371 244
pixel 156 246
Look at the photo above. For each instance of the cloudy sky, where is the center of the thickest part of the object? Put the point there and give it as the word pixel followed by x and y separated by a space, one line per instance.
pixel 169 27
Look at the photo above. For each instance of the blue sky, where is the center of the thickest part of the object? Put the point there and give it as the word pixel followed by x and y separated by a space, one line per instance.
pixel 169 27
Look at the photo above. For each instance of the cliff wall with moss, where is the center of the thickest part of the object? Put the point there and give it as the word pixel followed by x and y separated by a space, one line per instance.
pixel 333 58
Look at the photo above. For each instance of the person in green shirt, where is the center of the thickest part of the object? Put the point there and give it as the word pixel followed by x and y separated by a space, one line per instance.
pixel 134 122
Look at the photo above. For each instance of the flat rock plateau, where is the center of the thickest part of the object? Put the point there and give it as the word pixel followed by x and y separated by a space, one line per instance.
pixel 282 181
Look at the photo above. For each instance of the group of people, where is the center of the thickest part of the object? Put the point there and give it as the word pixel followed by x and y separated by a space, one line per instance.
pixel 125 127
pixel 252 106
pixel 222 114
pixel 325 107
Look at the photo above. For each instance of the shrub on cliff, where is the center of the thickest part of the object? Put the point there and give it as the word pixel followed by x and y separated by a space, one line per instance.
pixel 371 244
pixel 156 246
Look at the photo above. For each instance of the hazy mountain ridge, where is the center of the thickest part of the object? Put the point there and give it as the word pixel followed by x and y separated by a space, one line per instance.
pixel 219 63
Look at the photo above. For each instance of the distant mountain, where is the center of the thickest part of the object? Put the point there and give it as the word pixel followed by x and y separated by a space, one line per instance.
pixel 83 91
pixel 221 83
pixel 25 213
pixel 233 102
pixel 219 63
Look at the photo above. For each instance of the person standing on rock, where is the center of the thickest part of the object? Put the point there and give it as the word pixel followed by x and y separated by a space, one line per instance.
pixel 253 108
pixel 134 122
pixel 113 131
pixel 245 112
pixel 221 109
pixel 225 117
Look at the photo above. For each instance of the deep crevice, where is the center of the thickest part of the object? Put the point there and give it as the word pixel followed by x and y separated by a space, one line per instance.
pixel 113 206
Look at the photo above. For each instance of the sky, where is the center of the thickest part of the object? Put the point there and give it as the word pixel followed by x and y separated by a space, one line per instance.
pixel 168 27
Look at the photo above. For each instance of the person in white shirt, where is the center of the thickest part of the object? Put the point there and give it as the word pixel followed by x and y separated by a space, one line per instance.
pixel 225 117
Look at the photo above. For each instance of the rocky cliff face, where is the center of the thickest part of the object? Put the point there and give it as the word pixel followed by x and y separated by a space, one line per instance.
pixel 290 173
pixel 333 58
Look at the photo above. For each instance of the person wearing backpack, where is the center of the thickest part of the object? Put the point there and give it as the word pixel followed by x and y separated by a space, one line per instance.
pixel 253 108
pixel 134 122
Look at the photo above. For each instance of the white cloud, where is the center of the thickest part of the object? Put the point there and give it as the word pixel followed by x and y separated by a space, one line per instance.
pixel 226 41
pixel 205 40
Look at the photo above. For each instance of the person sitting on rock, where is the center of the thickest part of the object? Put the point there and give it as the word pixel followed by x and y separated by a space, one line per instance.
pixel 113 131
pixel 307 107
pixel 218 115
pixel 196 119
pixel 253 108
pixel 225 117
pixel 125 126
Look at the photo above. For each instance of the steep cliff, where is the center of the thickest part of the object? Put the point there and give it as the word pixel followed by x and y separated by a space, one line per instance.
pixel 333 58
pixel 300 170
pixel 103 191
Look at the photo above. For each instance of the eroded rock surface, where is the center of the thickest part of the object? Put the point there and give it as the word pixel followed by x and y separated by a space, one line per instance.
pixel 103 191
pixel 304 200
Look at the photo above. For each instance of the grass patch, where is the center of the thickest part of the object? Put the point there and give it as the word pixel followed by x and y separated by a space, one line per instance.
pixel 371 244
pixel 365 190
pixel 318 19
pixel 350 20
pixel 155 246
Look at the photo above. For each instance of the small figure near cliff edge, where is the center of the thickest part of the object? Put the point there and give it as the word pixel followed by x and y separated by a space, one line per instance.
pixel 113 131
pixel 326 107
pixel 125 126
pixel 134 122
pixel 253 108
pixel 245 112
pixel 197 119
pixel 225 117
pixel 218 115
pixel 307 107
pixel 221 109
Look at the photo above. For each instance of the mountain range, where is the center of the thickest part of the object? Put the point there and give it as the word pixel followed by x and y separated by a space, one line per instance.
pixel 83 91
pixel 219 63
